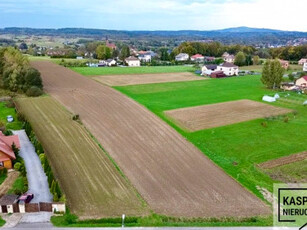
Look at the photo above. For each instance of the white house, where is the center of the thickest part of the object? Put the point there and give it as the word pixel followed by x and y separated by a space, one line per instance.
pixel 229 58
pixel 302 61
pixel 229 69
pixel 182 57
pixel 145 57
pixel 133 61
pixel 301 82
pixel 206 70
pixel 305 67
pixel 111 62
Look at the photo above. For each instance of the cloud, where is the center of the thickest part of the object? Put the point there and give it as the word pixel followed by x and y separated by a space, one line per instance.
pixel 155 14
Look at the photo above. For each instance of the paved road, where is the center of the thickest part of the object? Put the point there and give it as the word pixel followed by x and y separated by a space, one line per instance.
pixel 37 179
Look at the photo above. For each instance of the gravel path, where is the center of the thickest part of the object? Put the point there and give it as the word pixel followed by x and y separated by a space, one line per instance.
pixel 37 179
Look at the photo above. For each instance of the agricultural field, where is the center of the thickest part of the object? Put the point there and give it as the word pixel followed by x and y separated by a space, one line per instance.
pixel 99 71
pixel 93 186
pixel 236 148
pixel 258 68
pixel 136 79
pixel 169 172
pixel 221 114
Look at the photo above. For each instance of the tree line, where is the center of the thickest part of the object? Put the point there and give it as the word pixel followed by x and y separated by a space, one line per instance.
pixel 17 75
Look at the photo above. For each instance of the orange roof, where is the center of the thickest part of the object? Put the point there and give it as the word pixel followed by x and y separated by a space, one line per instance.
pixel 6 143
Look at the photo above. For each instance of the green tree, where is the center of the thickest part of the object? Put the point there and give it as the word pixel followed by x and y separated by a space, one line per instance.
pixel 164 56
pixel 256 60
pixel 103 52
pixel 272 73
pixel 240 59
pixel 124 52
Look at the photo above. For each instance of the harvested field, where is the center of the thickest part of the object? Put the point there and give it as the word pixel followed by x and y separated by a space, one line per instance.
pixel 93 186
pixel 284 160
pixel 170 173
pixel 220 114
pixel 137 79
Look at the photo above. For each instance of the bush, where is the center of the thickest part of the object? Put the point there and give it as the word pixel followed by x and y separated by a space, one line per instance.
pixel 34 92
pixel 10 104
pixel 70 218
pixel 20 117
pixel 3 171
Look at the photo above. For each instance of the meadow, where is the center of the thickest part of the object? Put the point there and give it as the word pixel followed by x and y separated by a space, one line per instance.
pixel 4 112
pixel 236 148
pixel 99 71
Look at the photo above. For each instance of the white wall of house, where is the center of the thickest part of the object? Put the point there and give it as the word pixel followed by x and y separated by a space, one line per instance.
pixel 229 71
pixel 305 67
pixel 182 57
pixel 134 63
pixel 145 58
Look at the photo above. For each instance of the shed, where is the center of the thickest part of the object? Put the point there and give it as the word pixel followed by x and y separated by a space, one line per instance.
pixel 6 203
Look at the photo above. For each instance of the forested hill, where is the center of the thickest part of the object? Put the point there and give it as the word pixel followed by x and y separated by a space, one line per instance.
pixel 239 35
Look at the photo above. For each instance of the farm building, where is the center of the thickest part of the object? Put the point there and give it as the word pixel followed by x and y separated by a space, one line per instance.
pixel 182 57
pixel 6 152
pixel 302 61
pixel 284 64
pixel 301 82
pixel 197 58
pixel 217 74
pixel 133 61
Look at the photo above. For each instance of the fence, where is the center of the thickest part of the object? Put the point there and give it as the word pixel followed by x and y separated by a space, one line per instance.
pixel 32 207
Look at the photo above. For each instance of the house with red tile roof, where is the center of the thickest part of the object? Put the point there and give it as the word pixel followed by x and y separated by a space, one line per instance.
pixel 6 152
pixel 301 82
pixel 197 57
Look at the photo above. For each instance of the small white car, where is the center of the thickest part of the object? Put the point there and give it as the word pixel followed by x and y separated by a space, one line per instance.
pixel 9 118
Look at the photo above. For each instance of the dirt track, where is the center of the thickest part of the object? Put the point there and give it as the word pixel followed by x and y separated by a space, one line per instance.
pixel 283 160
pixel 8 183
pixel 136 79
pixel 220 114
pixel 172 175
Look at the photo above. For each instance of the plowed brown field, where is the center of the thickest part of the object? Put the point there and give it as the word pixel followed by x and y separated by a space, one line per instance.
pixel 283 160
pixel 136 79
pixel 225 113
pixel 93 186
pixel 171 174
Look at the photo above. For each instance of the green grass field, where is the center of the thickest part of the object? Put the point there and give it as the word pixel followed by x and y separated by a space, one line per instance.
pixel 258 68
pixel 5 111
pixel 239 147
pixel 92 71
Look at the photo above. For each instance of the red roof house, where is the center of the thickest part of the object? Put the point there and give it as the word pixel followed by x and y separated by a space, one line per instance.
pixel 197 57
pixel 6 152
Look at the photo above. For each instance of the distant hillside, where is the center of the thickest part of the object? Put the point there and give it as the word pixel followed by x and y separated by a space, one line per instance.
pixel 239 35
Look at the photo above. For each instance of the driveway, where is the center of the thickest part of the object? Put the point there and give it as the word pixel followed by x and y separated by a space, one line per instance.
pixel 37 179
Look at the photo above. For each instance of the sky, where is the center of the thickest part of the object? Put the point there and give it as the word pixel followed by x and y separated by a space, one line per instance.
pixel 155 14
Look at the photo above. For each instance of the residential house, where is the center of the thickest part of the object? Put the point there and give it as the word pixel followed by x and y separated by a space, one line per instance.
pixel 302 82
pixel 305 67
pixel 208 69
pixel 284 64
pixel 229 69
pixel 225 55
pixel 133 61
pixel 288 86
pixel 197 58
pixel 108 62
pixel 145 57
pixel 209 59
pixel 182 57
pixel 6 152
pixel 230 58
pixel 302 61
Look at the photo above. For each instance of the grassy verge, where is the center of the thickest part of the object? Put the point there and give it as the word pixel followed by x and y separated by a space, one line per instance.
pixel 155 220
pixel 2 178
pixel 91 71
pixel 20 186
pixel 5 111
pixel 239 147
pixel 2 222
